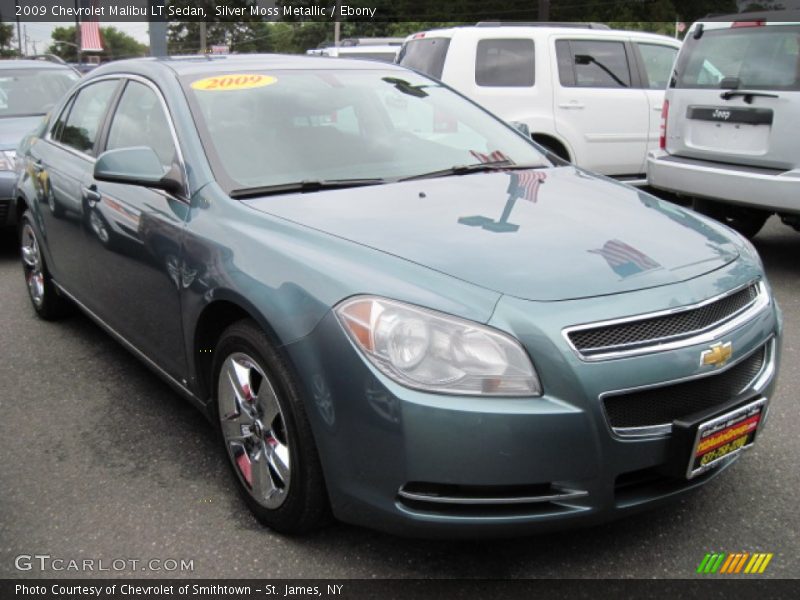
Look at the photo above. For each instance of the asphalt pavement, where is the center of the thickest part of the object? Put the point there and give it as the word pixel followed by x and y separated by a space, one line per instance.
pixel 99 460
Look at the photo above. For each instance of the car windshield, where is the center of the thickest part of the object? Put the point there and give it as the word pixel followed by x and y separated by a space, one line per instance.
pixel 274 128
pixel 30 92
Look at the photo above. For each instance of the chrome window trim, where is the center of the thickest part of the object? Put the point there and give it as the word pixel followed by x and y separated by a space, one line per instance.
pixel 662 344
pixel 124 77
pixel 756 385
pixel 433 499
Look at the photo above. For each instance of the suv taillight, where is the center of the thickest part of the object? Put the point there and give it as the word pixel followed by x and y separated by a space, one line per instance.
pixel 662 138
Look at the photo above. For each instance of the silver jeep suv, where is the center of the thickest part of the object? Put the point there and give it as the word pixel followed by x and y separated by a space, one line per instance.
pixel 731 121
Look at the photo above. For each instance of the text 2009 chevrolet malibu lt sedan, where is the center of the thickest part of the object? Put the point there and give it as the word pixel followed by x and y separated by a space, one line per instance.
pixel 394 305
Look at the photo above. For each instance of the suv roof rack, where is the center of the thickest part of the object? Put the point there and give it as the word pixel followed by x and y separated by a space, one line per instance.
pixel 542 24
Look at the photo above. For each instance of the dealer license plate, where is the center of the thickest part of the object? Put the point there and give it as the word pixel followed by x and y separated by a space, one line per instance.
pixel 725 436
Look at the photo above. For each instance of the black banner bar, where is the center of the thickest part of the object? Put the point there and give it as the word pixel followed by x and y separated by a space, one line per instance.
pixel 707 588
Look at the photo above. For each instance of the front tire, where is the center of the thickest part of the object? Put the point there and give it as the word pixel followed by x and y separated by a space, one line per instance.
pixel 745 220
pixel 265 432
pixel 46 300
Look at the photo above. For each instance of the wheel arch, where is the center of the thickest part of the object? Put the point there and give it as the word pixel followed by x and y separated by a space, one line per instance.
pixel 553 143
pixel 215 317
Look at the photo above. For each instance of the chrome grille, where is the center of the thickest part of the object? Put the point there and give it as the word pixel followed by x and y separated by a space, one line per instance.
pixel 663 405
pixel 646 331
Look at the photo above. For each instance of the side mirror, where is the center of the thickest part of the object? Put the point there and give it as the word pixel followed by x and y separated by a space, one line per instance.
pixel 139 165
pixel 521 127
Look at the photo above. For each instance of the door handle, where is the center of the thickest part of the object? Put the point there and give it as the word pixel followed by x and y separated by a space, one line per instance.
pixel 91 195
pixel 572 105
pixel 658 109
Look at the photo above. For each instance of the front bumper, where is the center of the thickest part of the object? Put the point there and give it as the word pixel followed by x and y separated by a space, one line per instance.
pixel 756 188
pixel 415 463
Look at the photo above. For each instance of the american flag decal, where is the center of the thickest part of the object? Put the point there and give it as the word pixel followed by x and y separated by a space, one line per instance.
pixel 525 184
pixel 90 32
pixel 624 259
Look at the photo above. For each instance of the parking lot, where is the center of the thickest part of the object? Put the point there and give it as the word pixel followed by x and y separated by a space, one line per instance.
pixel 99 459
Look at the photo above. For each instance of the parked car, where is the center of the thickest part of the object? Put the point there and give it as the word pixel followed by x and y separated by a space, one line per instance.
pixel 28 90
pixel 589 94
pixel 731 121
pixel 412 317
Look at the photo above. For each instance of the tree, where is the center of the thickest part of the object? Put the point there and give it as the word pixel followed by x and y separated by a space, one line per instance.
pixel 6 39
pixel 247 34
pixel 117 44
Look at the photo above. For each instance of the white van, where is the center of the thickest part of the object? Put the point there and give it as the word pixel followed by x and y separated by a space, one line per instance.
pixel 589 94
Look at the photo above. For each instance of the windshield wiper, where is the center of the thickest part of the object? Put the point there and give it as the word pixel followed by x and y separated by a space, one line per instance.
pixel 748 96
pixel 307 185
pixel 496 165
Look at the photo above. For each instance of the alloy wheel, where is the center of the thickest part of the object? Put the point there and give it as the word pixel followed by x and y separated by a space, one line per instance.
pixel 254 430
pixel 32 263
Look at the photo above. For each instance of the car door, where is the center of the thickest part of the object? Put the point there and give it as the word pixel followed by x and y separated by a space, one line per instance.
pixel 136 267
pixel 599 106
pixel 655 68
pixel 60 163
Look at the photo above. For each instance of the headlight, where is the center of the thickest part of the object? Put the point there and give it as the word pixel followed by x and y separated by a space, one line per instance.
pixel 7 160
pixel 435 352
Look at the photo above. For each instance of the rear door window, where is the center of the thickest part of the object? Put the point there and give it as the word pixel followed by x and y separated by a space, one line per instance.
pixel 657 60
pixel 504 63
pixel 766 57
pixel 593 63
pixel 426 55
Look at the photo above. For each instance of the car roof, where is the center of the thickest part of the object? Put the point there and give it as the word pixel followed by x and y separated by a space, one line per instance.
pixel 477 31
pixel 31 64
pixel 194 65
pixel 771 17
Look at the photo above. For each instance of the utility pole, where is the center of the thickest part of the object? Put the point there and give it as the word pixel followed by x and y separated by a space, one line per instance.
pixel 158 29
pixel 544 10
pixel 77 35
pixel 19 29
pixel 202 37
pixel 25 35
pixel 337 26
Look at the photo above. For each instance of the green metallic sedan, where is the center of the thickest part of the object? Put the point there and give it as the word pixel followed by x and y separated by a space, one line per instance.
pixel 396 309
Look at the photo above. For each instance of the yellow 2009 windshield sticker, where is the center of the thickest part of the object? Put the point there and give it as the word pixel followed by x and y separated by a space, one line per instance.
pixel 237 81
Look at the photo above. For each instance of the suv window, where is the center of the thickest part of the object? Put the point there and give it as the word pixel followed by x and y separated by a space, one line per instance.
pixel 140 121
pixel 426 55
pixel 749 57
pixel 504 63
pixel 88 109
pixel 658 62
pixel 592 63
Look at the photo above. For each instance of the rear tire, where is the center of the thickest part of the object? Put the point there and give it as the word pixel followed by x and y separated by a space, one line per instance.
pixel 265 432
pixel 745 220
pixel 46 300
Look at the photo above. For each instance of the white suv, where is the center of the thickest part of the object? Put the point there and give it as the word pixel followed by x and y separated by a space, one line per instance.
pixel 589 94
pixel 732 121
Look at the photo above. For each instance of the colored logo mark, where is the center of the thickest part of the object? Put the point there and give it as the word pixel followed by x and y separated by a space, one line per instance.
pixel 722 563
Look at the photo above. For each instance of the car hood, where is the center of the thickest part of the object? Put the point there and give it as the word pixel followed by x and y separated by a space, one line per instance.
pixel 545 234
pixel 13 129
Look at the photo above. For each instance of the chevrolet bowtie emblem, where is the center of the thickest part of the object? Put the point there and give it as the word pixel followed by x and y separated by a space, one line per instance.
pixel 717 355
